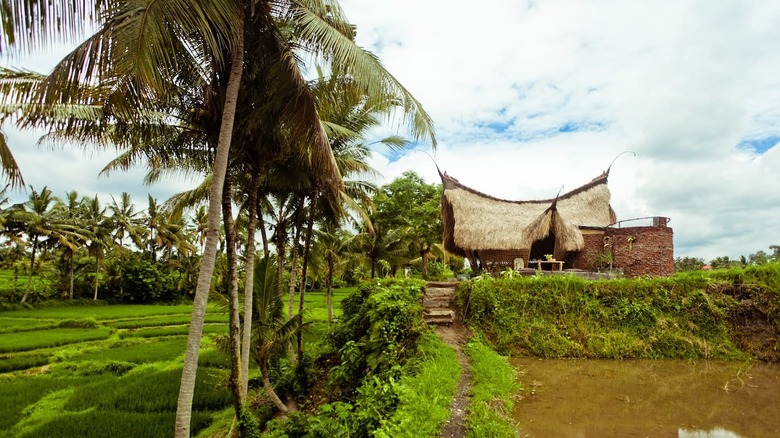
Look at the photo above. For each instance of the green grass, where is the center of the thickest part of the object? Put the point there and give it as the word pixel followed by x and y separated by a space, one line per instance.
pixel 141 402
pixel 493 385
pixel 146 351
pixel 424 403
pixel 153 321
pixel 109 313
pixel 24 341
pixel 688 316
pixel 124 384
pixel 174 330
pixel 13 325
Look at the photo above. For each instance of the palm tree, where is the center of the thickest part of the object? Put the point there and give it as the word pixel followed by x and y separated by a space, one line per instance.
pixel 160 42
pixel 126 223
pixel 71 214
pixel 272 330
pixel 38 219
pixel 98 228
pixel 335 243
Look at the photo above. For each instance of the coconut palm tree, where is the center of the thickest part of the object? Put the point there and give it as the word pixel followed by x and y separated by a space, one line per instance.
pixel 38 219
pixel 272 330
pixel 71 212
pixel 98 229
pixel 126 223
pixel 160 42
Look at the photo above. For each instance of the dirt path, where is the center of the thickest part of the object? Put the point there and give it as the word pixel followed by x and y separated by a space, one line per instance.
pixel 455 336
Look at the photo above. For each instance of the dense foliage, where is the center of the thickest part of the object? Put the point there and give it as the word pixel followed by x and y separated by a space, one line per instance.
pixel 725 314
pixel 387 376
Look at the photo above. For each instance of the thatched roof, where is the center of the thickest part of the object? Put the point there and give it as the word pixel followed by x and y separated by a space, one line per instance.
pixel 474 221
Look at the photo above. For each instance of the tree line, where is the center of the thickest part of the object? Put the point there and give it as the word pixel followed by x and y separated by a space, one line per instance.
pixel 760 257
pixel 220 89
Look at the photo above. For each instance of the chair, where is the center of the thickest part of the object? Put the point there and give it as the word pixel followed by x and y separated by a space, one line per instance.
pixel 519 264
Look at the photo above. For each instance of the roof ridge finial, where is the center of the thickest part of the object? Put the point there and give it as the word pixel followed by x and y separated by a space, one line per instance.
pixel 615 159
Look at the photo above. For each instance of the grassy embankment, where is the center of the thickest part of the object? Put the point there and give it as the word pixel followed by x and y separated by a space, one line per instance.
pixel 114 371
pixel 111 370
pixel 729 314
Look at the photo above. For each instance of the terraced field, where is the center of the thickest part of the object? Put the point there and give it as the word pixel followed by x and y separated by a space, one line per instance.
pixel 114 370
pixel 104 371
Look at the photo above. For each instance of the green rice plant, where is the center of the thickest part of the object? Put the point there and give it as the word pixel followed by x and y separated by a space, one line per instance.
pixel 78 323
pixel 493 386
pixel 151 388
pixel 175 330
pixel 17 393
pixel 25 341
pixel 145 351
pixel 425 396
pixel 93 368
pixel 156 321
pixel 100 313
pixel 213 358
pixel 115 424
pixel 14 325
pixel 22 362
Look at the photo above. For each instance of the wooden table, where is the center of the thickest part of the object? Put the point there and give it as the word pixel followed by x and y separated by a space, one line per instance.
pixel 555 265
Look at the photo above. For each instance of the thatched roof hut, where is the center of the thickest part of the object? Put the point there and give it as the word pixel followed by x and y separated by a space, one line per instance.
pixel 477 225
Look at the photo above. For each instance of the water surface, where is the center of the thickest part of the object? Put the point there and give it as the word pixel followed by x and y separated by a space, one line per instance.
pixel 641 398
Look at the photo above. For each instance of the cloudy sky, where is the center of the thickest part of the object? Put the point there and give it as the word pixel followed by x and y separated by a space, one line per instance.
pixel 532 96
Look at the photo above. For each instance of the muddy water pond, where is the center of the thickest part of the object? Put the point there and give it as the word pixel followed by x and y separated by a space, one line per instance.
pixel 641 398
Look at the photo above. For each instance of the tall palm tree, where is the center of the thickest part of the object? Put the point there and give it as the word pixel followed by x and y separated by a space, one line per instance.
pixel 71 213
pixel 272 330
pixel 160 42
pixel 98 227
pixel 335 243
pixel 126 223
pixel 38 219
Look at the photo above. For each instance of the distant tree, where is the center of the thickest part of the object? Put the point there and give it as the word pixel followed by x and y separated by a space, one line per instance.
pixel 37 219
pixel 775 253
pixel 724 262
pixel 758 258
pixel 683 264
pixel 410 203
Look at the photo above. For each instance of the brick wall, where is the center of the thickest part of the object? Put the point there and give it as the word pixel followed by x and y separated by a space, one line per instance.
pixel 643 250
pixel 636 250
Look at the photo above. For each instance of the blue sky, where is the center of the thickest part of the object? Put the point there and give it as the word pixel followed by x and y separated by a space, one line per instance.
pixel 529 96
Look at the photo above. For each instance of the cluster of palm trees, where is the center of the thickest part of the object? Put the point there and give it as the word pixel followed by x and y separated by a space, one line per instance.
pixel 71 228
pixel 217 89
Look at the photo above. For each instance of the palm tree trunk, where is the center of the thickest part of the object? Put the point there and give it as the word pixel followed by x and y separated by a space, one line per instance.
pixel 233 306
pixel 189 371
pixel 291 285
pixel 269 390
pixel 424 260
pixel 261 225
pixel 306 247
pixel 32 265
pixel 97 271
pixel 70 291
pixel 329 289
pixel 254 188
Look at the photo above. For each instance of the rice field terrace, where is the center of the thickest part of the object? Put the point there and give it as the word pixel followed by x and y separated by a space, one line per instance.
pixel 112 370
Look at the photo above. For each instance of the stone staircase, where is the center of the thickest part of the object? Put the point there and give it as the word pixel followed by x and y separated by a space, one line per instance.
pixel 439 302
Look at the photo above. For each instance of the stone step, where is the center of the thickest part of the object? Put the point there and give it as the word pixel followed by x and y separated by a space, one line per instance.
pixel 438 301
pixel 439 316
pixel 443 284
pixel 439 291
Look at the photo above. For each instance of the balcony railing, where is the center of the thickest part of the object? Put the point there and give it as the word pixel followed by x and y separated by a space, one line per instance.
pixel 649 221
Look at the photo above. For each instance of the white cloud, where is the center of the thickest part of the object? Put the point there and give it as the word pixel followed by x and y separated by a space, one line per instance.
pixel 681 83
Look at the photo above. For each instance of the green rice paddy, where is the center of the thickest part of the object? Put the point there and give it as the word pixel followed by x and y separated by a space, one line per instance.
pixel 114 370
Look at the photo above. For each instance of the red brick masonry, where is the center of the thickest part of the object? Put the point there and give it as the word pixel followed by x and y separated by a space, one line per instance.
pixel 637 251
